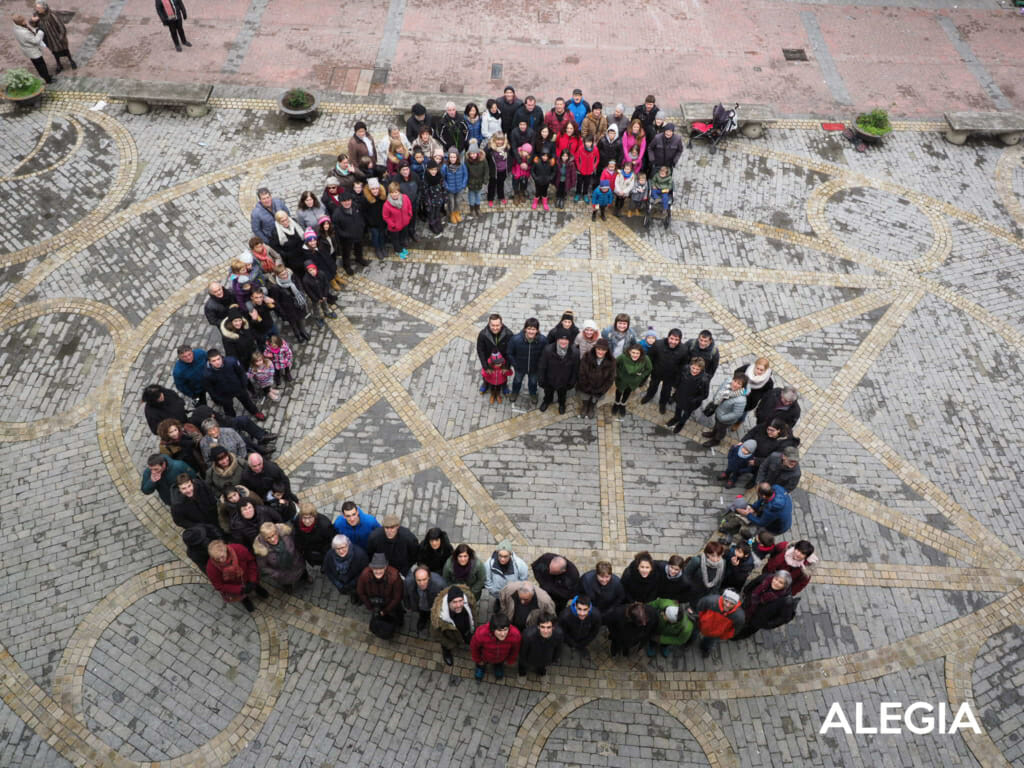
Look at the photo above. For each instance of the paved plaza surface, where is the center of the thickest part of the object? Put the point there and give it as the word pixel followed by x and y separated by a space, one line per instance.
pixel 916 58
pixel 885 285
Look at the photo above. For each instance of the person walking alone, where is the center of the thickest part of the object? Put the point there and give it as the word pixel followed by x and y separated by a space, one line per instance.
pixel 172 13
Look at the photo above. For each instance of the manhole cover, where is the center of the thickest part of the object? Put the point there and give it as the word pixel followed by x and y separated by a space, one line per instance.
pixel 794 54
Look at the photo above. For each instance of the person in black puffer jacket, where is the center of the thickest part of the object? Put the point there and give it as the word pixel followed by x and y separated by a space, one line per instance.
pixel 313 534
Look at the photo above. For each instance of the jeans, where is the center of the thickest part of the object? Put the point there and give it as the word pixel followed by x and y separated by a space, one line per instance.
pixel 517 382
pixel 453 202
pixel 377 237
pixel 473 196
pixel 664 197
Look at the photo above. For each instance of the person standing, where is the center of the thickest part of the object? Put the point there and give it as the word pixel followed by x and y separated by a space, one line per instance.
pixel 495 643
pixel 31 43
pixel 55 34
pixel 452 620
pixel 541 646
pixel 524 352
pixel 558 369
pixel 172 13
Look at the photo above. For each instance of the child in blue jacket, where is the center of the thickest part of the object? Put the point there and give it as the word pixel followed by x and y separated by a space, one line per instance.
pixel 602 198
pixel 456 177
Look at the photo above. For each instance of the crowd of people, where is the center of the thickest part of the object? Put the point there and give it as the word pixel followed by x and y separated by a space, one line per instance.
pixel 243 522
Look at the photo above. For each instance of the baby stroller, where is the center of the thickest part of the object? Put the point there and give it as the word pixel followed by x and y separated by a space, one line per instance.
pixel 723 122
pixel 655 203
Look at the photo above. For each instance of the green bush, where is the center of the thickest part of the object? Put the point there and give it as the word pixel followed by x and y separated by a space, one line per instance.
pixel 876 122
pixel 297 98
pixel 19 83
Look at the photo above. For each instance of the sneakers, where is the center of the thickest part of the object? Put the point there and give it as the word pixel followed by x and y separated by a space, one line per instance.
pixel 478 673
pixel 403 253
pixel 274 395
pixel 490 203
pixel 483 388
pixel 259 416
pixel 504 201
pixel 575 198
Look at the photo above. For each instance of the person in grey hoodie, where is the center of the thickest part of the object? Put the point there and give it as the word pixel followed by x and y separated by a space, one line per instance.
pixel 504 567
pixel 728 406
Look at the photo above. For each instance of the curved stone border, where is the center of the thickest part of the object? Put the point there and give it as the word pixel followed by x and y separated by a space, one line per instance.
pixel 960 688
pixel 817 203
pixel 116 326
pixel 1010 158
pixel 79 139
pixel 68 685
pixel 538 726
pixel 705 729
pixel 66 243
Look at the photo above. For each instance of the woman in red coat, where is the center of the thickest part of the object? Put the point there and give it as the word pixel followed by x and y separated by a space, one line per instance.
pixel 233 572
pixel 798 559
pixel 397 215
pixel 495 643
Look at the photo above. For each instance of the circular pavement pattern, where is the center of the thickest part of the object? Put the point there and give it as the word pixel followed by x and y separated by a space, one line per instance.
pixel 127 660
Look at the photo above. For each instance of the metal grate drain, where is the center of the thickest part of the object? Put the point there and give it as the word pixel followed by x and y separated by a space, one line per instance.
pixel 794 54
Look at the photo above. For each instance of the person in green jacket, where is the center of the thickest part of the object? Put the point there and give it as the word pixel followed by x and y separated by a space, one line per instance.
pixel 465 568
pixel 675 626
pixel 632 369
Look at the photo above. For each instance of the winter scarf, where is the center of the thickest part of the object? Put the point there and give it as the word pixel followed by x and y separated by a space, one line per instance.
pixel 754 381
pixel 283 233
pixel 231 571
pixel 712 581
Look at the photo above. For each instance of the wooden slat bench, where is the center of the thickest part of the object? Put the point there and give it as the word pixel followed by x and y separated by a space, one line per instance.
pixel 751 119
pixel 140 96
pixel 1008 126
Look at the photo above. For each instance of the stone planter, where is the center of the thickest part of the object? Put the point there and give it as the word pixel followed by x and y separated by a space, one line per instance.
pixel 27 101
pixel 307 113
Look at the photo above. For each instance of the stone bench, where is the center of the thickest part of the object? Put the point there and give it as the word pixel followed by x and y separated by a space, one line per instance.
pixel 140 96
pixel 1008 126
pixel 751 119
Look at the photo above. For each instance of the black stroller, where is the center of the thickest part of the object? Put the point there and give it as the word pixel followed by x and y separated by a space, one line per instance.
pixel 723 122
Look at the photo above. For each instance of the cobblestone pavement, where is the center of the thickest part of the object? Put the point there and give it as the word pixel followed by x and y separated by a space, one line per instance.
pixel 885 286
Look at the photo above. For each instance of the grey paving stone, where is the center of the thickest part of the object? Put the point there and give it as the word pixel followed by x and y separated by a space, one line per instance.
pixel 998 680
pixel 448 288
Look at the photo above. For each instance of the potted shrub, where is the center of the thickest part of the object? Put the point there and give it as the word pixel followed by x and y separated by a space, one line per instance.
pixel 299 104
pixel 22 87
pixel 872 126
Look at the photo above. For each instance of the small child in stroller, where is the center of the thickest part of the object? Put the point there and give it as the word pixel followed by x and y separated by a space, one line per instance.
pixel 661 191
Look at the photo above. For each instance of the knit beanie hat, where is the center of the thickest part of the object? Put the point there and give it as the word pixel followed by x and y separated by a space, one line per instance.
pixel 749 446
pixel 455 593
pixel 731 595
pixel 308 235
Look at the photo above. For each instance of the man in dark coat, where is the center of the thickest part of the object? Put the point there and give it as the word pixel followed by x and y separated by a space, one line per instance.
pixel 667 358
pixel 704 346
pixel 559 366
pixel 193 502
pixel 665 149
pixel 224 381
pixel 349 226
pixel 603 587
pixel 691 390
pixel 646 113
pixel 780 403
pixel 416 122
pixel 524 351
pixel 218 301
pixel 541 646
pixel 422 586
pixel 494 337
pixel 531 112
pixel 580 623
pixel 197 539
pixel 558 576
pixel 396 542
pixel 162 403
pixel 781 468
pixel 508 105
pixel 261 475
pixel 629 626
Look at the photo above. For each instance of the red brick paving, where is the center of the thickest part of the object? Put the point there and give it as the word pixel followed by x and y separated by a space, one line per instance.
pixel 899 58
